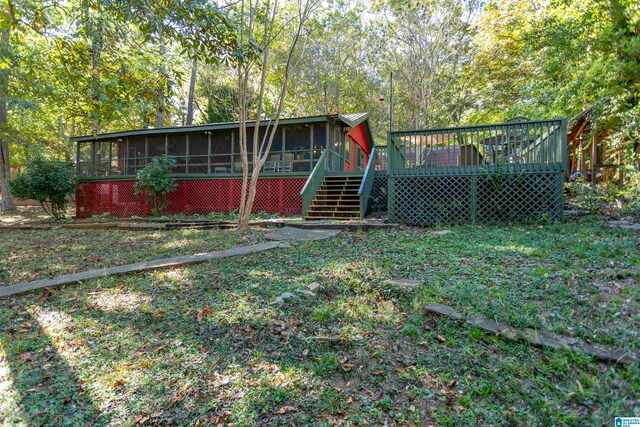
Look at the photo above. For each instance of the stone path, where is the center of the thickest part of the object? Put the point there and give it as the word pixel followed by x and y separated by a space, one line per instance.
pixel 625 225
pixel 138 266
pixel 541 338
pixel 292 234
pixel 281 236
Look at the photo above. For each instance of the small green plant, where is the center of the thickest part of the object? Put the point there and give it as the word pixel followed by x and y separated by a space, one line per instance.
pixel 592 197
pixel 155 183
pixel 48 182
pixel 103 215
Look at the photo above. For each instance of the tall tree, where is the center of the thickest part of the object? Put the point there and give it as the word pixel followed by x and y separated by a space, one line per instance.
pixel 192 91
pixel 5 168
pixel 258 26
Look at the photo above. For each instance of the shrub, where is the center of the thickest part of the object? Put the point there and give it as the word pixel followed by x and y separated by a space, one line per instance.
pixel 48 182
pixel 155 183
pixel 590 196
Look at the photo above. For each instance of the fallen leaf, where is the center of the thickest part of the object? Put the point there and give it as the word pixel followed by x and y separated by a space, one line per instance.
pixel 441 338
pixel 219 419
pixel 412 408
pixel 458 409
pixel 140 419
pixel 203 312
pixel 26 356
pixel 287 410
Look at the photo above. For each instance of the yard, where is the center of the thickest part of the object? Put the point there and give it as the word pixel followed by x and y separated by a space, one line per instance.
pixel 202 345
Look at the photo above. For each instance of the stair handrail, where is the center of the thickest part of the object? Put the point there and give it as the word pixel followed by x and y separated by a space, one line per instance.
pixel 313 183
pixel 366 185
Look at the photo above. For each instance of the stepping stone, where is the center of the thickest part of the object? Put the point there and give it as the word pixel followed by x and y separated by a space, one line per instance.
pixel 286 295
pixel 306 292
pixel 542 338
pixel 440 232
pixel 292 234
pixel 487 324
pixel 625 225
pixel 610 353
pixel 547 339
pixel 406 283
pixel 277 301
pixel 313 286
pixel 444 310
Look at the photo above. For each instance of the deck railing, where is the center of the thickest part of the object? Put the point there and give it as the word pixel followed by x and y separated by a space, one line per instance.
pixel 313 183
pixel 364 192
pixel 381 158
pixel 531 146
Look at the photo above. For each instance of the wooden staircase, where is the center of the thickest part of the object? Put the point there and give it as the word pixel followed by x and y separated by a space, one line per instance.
pixel 337 198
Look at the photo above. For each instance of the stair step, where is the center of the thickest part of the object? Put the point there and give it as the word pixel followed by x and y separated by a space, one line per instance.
pixel 329 209
pixel 346 213
pixel 341 205
pixel 335 218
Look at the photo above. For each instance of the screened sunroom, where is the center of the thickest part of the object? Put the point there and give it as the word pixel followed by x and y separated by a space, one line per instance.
pixel 208 169
pixel 211 149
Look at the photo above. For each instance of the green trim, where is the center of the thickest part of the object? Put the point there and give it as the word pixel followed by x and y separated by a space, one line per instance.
pixel 364 192
pixel 234 176
pixel 469 128
pixel 313 183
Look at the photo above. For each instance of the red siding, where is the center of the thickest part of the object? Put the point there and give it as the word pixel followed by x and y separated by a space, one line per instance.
pixel 277 195
pixel 358 135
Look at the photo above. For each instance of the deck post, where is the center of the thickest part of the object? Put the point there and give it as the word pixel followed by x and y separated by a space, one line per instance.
pixel 474 198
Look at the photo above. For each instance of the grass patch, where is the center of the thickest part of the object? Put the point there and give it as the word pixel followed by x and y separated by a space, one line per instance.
pixel 200 344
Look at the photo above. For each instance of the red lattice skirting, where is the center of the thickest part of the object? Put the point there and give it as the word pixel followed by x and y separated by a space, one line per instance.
pixel 192 196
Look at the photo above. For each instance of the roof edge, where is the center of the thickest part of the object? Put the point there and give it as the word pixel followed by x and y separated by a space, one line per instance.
pixel 353 119
pixel 196 128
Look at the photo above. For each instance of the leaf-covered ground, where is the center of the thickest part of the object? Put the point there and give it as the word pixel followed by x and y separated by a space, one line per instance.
pixel 39 254
pixel 202 345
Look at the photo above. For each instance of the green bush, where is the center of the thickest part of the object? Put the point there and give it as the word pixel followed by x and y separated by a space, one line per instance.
pixel 48 182
pixel 155 183
pixel 591 196
pixel 630 193
pixel 608 197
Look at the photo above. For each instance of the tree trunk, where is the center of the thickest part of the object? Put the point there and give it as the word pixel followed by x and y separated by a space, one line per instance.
pixel 161 85
pixel 192 89
pixel 96 51
pixel 5 169
pixel 261 150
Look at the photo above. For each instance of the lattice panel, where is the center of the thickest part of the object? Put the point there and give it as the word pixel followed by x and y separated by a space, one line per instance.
pixel 519 197
pixel 379 192
pixel 429 200
pixel 196 196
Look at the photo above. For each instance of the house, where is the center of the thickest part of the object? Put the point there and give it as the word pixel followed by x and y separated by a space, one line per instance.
pixel 588 153
pixel 208 165
pixel 328 167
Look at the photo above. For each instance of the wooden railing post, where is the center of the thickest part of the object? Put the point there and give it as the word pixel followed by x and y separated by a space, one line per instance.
pixel 313 183
pixel 367 183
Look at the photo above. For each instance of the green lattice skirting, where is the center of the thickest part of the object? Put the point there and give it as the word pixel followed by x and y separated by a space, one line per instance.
pixel 431 200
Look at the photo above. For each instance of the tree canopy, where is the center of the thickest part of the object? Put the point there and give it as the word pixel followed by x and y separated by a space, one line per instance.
pixel 82 66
